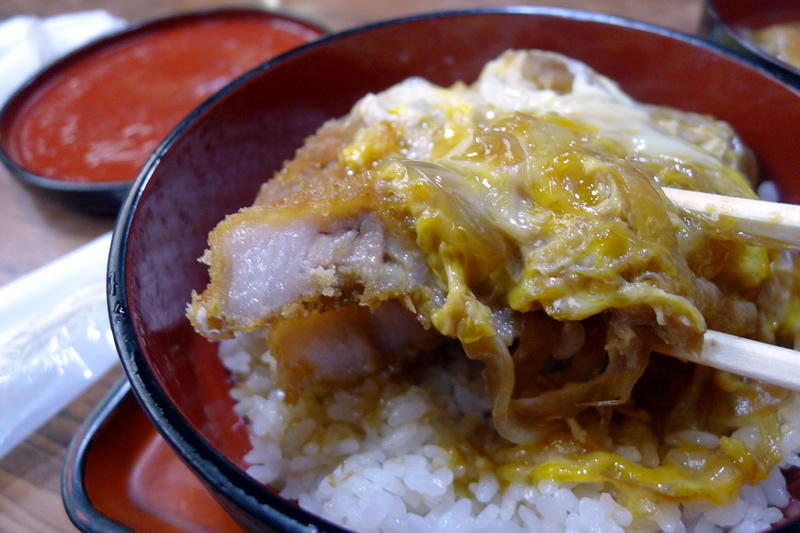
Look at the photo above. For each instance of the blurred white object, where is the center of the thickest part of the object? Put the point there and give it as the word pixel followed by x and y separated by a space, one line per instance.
pixel 55 339
pixel 28 43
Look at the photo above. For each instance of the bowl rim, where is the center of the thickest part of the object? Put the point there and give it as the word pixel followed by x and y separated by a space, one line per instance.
pixel 52 68
pixel 77 503
pixel 203 458
pixel 717 23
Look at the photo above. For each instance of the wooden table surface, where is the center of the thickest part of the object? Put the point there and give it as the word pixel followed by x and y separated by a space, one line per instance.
pixel 35 230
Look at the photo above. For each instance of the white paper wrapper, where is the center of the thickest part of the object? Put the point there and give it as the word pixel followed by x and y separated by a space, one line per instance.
pixel 28 43
pixel 55 339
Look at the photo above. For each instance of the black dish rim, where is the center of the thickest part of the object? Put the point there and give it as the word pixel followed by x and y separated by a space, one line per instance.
pixel 106 198
pixel 80 510
pixel 228 481
pixel 720 31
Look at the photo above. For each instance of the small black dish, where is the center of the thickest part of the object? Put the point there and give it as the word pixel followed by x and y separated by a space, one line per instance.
pixel 730 23
pixel 120 475
pixel 103 199
pixel 94 193
pixel 83 513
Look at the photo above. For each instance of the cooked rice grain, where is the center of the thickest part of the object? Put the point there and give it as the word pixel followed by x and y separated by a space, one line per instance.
pixel 382 469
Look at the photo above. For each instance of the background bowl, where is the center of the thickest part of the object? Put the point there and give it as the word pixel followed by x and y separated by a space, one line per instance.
pixel 214 162
pixel 98 193
pixel 731 22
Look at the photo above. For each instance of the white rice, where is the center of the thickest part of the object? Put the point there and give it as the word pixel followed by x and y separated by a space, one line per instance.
pixel 767 191
pixel 382 469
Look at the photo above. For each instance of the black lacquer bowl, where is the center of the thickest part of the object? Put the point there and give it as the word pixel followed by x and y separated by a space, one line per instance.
pixel 214 162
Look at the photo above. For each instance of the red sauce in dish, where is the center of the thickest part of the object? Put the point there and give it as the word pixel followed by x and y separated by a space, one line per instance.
pixel 100 118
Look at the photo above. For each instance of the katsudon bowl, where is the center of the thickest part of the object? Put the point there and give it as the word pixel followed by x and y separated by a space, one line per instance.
pixel 214 162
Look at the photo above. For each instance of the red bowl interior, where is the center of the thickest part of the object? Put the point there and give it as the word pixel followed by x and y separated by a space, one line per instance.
pixel 747 14
pixel 216 161
pixel 133 477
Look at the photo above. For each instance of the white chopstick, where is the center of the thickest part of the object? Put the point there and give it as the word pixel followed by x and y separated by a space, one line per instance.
pixel 745 357
pixel 768 223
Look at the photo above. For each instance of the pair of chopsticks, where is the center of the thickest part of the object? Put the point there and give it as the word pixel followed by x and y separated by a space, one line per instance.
pixel 756 222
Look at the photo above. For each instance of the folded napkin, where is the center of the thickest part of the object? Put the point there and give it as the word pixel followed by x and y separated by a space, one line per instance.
pixel 28 43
